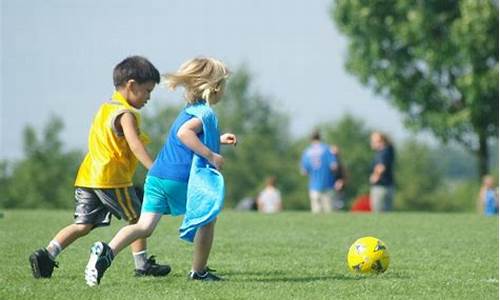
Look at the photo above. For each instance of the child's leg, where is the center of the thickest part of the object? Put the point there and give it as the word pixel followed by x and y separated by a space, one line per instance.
pixel 138 245
pixel 89 212
pixel 138 232
pixel 102 254
pixel 139 251
pixel 71 233
pixel 202 246
pixel 43 260
pixel 66 237
pixel 130 233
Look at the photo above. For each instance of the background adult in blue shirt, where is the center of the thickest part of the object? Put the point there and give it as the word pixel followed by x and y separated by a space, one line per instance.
pixel 319 163
pixel 381 177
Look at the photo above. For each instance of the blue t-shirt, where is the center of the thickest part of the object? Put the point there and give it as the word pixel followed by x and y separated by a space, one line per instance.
pixel 490 203
pixel 317 161
pixel 174 160
pixel 385 157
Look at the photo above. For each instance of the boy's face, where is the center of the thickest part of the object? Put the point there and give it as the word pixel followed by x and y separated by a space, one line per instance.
pixel 139 93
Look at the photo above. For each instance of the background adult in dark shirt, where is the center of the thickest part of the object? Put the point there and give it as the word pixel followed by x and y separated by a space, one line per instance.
pixel 381 177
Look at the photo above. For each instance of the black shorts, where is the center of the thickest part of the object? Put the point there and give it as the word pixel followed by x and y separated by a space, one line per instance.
pixel 95 206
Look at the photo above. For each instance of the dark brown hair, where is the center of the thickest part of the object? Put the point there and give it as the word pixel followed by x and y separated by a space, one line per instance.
pixel 136 68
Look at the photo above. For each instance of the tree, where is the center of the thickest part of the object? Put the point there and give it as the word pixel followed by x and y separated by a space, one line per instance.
pixel 44 178
pixel 418 178
pixel 436 61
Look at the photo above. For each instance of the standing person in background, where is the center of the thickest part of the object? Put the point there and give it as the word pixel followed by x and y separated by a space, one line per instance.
pixel 488 197
pixel 269 200
pixel 381 177
pixel 319 163
pixel 340 180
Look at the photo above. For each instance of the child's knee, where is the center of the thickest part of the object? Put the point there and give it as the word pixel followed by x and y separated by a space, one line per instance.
pixel 147 230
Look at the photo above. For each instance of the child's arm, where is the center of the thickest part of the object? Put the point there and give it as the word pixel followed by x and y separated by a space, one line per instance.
pixel 129 127
pixel 377 173
pixel 187 133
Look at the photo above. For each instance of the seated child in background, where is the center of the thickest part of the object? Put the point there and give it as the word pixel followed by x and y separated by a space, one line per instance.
pixel 269 200
pixel 488 197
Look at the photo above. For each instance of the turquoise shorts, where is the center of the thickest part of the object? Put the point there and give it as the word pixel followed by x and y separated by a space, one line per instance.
pixel 164 196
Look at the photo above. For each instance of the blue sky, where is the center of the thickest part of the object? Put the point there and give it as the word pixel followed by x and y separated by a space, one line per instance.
pixel 57 58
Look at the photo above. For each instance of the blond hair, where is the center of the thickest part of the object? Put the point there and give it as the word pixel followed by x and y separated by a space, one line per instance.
pixel 202 77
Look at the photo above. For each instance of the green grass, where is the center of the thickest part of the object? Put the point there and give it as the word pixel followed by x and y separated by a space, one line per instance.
pixel 291 255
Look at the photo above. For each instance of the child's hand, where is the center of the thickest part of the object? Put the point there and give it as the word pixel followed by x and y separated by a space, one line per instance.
pixel 228 139
pixel 216 160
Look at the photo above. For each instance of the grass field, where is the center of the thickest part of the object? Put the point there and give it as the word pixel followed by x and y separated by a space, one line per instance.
pixel 292 255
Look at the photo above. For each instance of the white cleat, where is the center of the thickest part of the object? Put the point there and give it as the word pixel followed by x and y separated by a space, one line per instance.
pixel 91 272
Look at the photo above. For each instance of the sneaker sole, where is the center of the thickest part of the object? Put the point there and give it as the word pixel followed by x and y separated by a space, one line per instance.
pixel 34 266
pixel 90 269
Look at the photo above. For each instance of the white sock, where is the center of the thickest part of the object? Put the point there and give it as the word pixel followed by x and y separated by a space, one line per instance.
pixel 54 248
pixel 140 259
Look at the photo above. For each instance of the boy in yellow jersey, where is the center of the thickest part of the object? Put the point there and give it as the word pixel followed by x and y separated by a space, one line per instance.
pixel 103 185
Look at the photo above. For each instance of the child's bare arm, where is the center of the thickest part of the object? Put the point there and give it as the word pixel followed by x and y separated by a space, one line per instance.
pixel 377 172
pixel 187 133
pixel 129 127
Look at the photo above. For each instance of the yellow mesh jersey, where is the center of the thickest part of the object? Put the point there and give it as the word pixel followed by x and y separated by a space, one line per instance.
pixel 109 162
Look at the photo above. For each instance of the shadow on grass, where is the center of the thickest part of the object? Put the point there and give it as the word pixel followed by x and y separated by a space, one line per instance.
pixel 306 278
pixel 281 276
pixel 266 276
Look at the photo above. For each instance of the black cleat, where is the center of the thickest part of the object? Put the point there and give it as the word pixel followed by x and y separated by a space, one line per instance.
pixel 100 259
pixel 153 269
pixel 207 276
pixel 42 265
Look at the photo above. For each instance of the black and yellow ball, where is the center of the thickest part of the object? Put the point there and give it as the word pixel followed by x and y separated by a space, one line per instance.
pixel 368 255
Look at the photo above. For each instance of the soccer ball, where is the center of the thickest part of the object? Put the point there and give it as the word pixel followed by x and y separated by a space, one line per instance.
pixel 368 255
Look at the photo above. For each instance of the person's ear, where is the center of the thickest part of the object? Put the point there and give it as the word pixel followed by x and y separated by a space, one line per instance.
pixel 131 84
